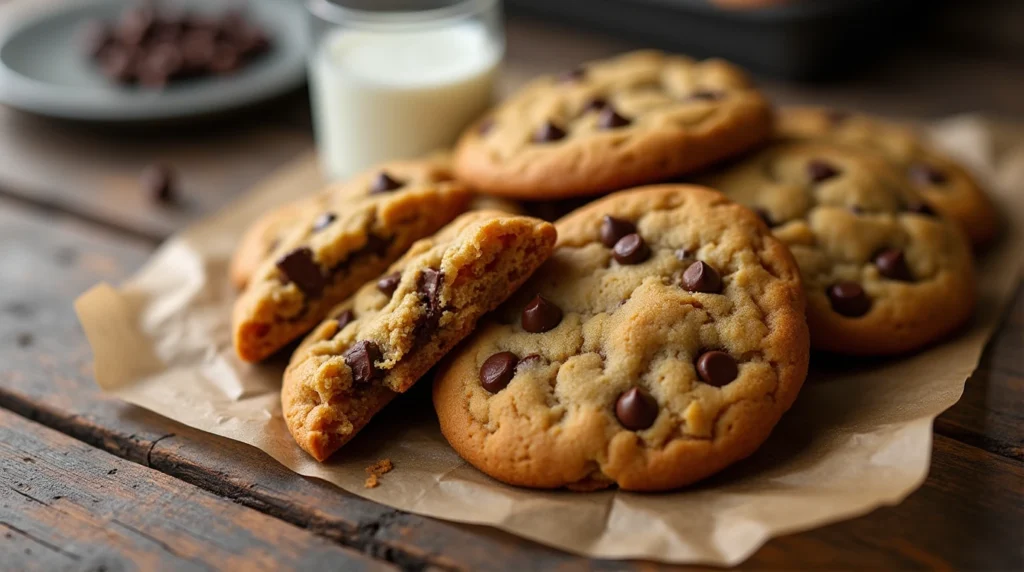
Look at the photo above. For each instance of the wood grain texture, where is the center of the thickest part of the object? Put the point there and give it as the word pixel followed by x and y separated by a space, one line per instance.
pixel 67 505
pixel 47 377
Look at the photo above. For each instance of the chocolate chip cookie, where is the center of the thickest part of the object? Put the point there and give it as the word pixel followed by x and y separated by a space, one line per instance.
pixel 884 273
pixel 637 118
pixel 331 251
pixel 393 330
pixel 661 342
pixel 263 237
pixel 950 188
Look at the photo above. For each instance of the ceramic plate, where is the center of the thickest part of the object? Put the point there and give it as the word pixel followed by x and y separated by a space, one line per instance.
pixel 43 69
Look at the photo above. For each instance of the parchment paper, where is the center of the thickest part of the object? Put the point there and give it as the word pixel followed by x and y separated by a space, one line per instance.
pixel 858 437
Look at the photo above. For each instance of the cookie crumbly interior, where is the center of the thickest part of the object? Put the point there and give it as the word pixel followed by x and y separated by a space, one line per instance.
pixel 445 284
pixel 351 240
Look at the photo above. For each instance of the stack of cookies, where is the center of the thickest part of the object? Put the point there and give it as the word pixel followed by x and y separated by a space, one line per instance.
pixel 655 333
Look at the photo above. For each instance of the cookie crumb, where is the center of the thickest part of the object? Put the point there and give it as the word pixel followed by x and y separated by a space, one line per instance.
pixel 375 471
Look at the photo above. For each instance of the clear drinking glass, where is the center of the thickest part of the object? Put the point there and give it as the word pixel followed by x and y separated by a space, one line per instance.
pixel 398 78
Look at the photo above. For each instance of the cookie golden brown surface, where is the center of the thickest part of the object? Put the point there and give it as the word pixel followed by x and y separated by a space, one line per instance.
pixel 884 273
pixel 638 118
pixel 661 342
pixel 393 330
pixel 943 182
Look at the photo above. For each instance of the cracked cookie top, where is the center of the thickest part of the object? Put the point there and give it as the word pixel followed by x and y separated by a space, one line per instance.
pixel 637 118
pixel 884 273
pixel 661 342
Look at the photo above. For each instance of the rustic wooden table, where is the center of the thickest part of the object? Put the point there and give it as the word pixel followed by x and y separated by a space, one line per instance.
pixel 94 484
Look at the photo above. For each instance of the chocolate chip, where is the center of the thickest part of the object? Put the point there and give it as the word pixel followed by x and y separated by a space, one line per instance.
pixel 158 181
pixel 856 209
pixel 323 221
pixel 428 286
pixel 596 104
pixel 384 183
pixel 716 368
pixel 119 64
pixel 225 60
pixel 299 267
pixel 360 359
pixel 683 254
pixel 631 249
pixel 548 132
pixel 388 284
pixel 540 315
pixel 613 229
pixel 819 170
pixel 702 277
pixel 849 299
pixel 485 126
pixel 610 119
pixel 345 318
pixel 375 245
pixel 892 264
pixel 705 95
pixel 925 175
pixel 636 409
pixel 498 371
pixel 766 217
pixel 96 37
pixel 572 75
pixel 921 208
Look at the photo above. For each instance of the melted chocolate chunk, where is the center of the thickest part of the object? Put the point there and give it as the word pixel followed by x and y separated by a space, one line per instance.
pixel 388 284
pixel 548 132
pixel 610 119
pixel 344 319
pixel 383 183
pixel 299 267
pixel 428 287
pixel 361 358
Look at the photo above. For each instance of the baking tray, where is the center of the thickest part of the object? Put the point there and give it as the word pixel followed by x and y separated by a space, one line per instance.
pixel 807 39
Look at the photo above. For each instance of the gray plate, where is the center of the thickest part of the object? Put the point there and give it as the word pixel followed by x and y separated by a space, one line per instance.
pixel 44 71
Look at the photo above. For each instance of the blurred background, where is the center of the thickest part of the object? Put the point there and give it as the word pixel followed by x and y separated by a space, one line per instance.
pixel 224 133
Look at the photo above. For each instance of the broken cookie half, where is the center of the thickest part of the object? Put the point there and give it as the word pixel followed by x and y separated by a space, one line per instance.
pixel 382 340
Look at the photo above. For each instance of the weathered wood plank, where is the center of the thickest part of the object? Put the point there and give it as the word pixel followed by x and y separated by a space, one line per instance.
pixel 990 414
pixel 65 504
pixel 956 521
pixel 94 170
pixel 47 377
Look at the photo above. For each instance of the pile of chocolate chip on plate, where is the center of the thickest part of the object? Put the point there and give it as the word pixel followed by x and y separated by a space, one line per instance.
pixel 152 48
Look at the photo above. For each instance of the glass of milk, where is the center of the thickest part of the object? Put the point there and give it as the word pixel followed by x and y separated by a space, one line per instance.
pixel 394 79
